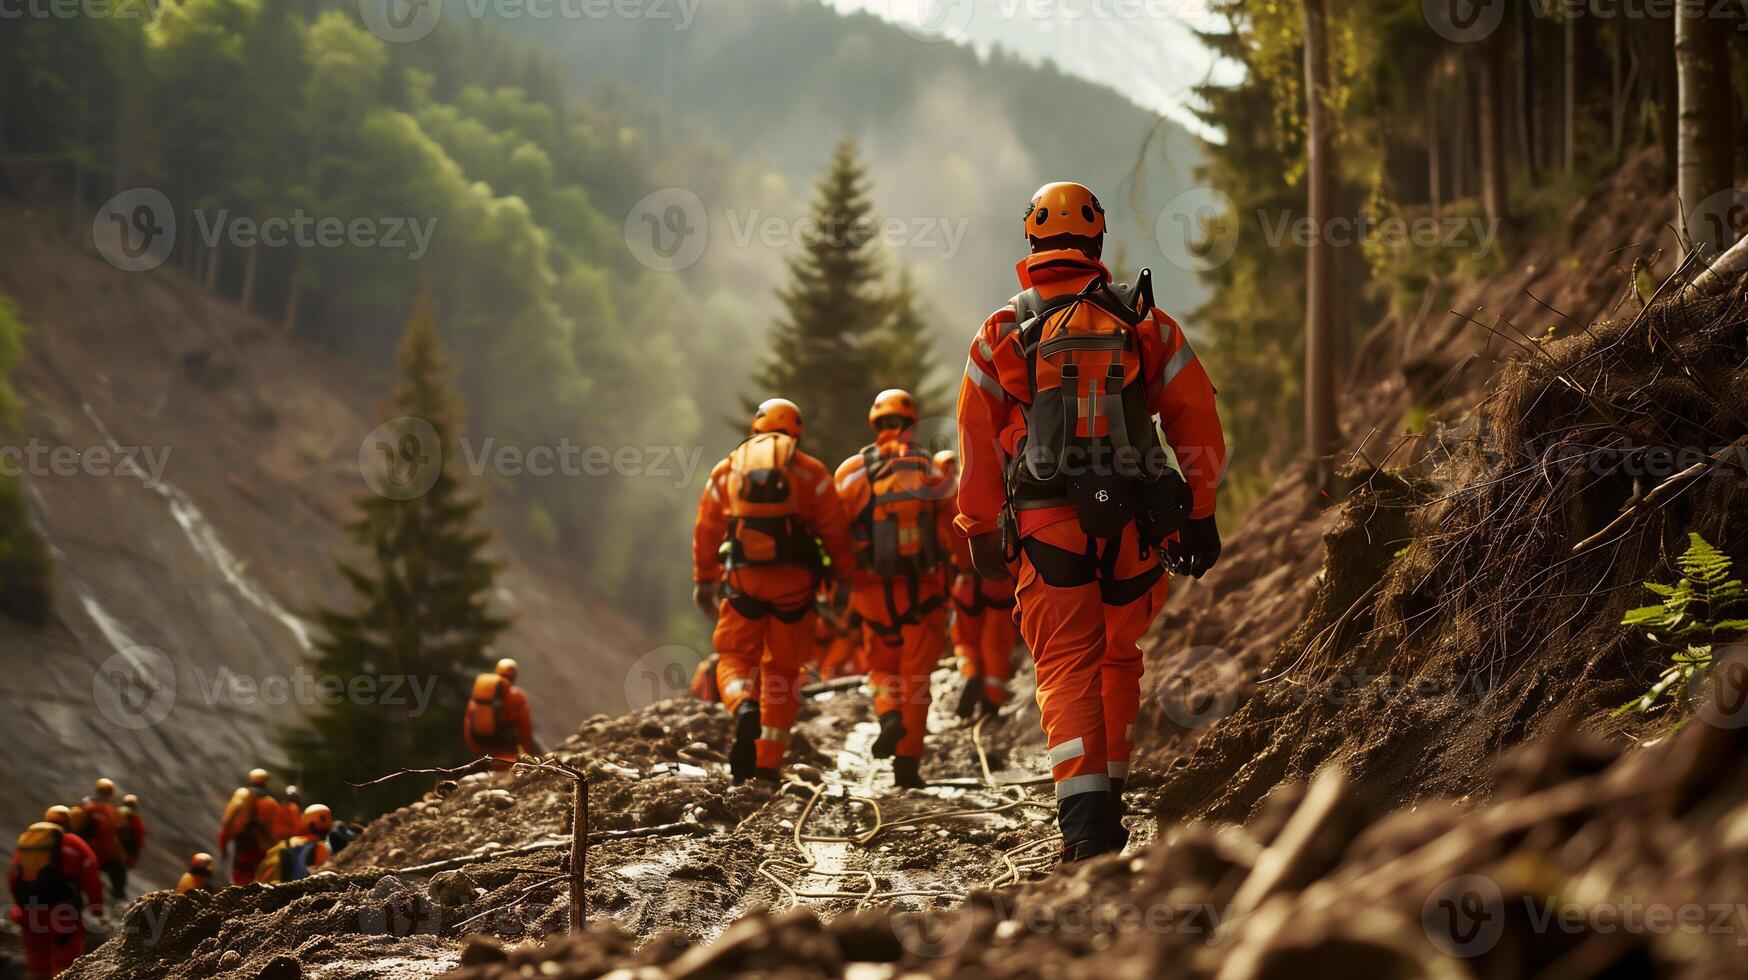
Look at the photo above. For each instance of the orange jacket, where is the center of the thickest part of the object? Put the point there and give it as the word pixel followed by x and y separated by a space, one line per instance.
pixel 854 493
pixel 515 713
pixel 996 390
pixel 78 864
pixel 266 823
pixel 191 881
pixel 103 831
pixel 816 504
pixel 133 834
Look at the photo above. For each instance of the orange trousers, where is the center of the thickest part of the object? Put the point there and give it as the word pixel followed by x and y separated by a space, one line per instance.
pixel 903 640
pixel 984 634
pixel 1083 609
pixel 48 954
pixel 764 632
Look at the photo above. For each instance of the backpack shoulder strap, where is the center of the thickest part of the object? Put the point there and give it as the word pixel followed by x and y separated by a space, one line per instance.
pixel 1137 295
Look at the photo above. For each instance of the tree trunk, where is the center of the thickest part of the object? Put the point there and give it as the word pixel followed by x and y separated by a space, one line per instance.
pixel 1703 149
pixel 1668 98
pixel 251 264
pixel 1435 190
pixel 292 299
pixel 1569 98
pixel 1320 416
pixel 1492 142
pixel 1526 91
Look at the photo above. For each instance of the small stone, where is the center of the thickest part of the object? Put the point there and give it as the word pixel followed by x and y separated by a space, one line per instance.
pixel 230 960
pixel 451 888
pixel 386 887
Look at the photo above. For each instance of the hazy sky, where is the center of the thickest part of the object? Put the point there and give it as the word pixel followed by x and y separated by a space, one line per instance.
pixel 1143 48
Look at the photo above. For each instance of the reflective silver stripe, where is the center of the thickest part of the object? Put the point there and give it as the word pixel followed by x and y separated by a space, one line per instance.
pixel 850 480
pixel 819 489
pixel 1074 748
pixel 770 734
pixel 1178 362
pixel 1118 770
pixel 1164 326
pixel 1092 782
pixel 996 683
pixel 715 493
pixel 982 380
pixel 983 348
pixel 1129 732
pixel 736 686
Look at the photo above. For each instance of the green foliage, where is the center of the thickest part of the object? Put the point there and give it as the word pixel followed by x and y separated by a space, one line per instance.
pixel 420 612
pixel 841 340
pixel 1705 607
pixel 25 565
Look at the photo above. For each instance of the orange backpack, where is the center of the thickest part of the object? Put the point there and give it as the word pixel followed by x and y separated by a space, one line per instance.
pixel 764 522
pixel 37 858
pixel 1090 439
pixel 242 820
pixel 896 529
pixel 486 723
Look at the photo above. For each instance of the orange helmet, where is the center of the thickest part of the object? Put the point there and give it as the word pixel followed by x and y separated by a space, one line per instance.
pixel 947 461
pixel 106 787
pixel 259 777
pixel 320 818
pixel 1066 215
pixel 778 415
pixel 200 863
pixel 892 403
pixel 132 799
pixel 507 669
pixel 58 815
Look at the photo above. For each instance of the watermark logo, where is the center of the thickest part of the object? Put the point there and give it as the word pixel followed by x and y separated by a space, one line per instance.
pixel 135 688
pixel 933 20
pixel 401 458
pixel 1722 700
pixel 1718 221
pixel 668 229
pixel 1198 229
pixel 1203 691
pixel 662 673
pixel 135 230
pixel 400 21
pixel 1463 21
pixel 1464 916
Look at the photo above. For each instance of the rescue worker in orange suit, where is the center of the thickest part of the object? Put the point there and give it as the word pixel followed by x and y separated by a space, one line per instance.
pixel 838 636
pixel 1064 483
pixel 54 880
pixel 774 506
pixel 198 877
pixel 498 722
pixel 902 530
pixel 103 832
pixel 254 821
pixel 132 829
pixel 300 853
pixel 984 631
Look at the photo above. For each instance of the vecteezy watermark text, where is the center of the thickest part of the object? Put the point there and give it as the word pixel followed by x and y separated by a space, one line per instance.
pixel 39 459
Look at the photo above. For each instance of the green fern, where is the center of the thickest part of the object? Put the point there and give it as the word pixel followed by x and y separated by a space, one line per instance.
pixel 1705 608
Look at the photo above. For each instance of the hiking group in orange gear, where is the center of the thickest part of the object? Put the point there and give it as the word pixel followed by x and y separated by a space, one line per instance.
pixel 275 840
pixel 1090 455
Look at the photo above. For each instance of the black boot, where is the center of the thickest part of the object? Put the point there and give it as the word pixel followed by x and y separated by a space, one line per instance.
pixel 1117 834
pixel 891 730
pixel 970 697
pixel 1085 819
pixel 906 772
pixel 772 775
pixel 743 757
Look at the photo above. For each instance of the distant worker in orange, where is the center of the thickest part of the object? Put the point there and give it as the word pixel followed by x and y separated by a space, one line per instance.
pixel 104 832
pixel 775 508
pixel 132 829
pixel 295 857
pixel 198 877
pixel 837 636
pixel 892 494
pixel 1066 484
pixel 253 820
pixel 984 631
pixel 54 881
pixel 498 722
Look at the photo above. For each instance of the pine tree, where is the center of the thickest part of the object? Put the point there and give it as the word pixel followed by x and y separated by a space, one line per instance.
pixel 902 353
pixel 420 626
pixel 821 350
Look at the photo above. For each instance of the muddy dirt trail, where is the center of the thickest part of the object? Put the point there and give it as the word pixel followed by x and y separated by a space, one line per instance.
pixel 676 852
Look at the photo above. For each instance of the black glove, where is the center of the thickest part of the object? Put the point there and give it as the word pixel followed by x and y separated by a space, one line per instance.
pixel 704 597
pixel 1196 549
pixel 969 697
pixel 987 556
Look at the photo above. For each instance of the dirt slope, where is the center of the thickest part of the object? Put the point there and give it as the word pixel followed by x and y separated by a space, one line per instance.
pixel 208 551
